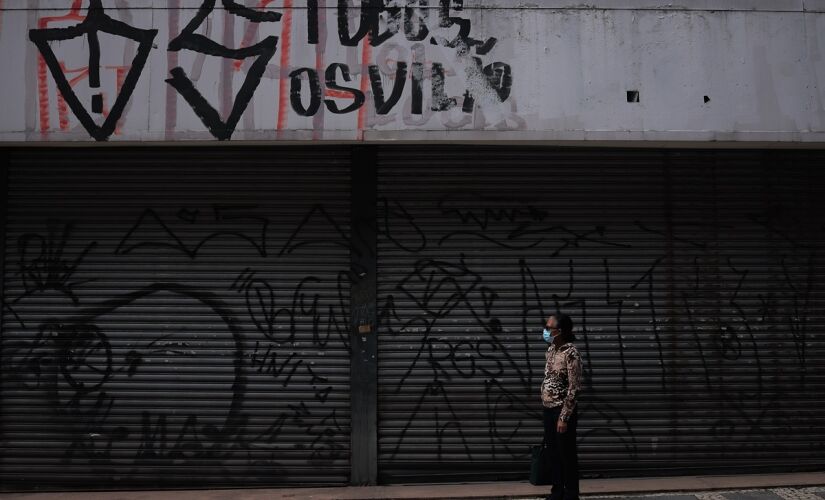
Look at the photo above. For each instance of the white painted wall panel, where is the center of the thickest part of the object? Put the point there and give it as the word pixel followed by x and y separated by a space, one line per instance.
pixel 571 66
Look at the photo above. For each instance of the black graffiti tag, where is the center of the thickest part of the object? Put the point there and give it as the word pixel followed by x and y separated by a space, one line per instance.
pixel 190 40
pixel 96 22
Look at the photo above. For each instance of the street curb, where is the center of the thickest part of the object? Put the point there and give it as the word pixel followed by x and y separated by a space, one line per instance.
pixel 467 491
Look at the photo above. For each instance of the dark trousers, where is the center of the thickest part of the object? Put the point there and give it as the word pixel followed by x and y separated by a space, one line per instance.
pixel 564 461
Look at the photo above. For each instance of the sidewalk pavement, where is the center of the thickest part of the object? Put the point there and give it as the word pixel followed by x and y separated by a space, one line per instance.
pixel 793 486
pixel 786 493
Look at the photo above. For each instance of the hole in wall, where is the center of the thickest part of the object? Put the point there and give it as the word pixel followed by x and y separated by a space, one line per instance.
pixel 706 99
pixel 632 96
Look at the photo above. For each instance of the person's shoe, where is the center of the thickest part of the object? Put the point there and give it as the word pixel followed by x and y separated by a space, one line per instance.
pixel 555 495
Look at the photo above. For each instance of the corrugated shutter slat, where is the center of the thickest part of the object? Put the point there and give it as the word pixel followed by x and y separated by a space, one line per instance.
pixel 176 318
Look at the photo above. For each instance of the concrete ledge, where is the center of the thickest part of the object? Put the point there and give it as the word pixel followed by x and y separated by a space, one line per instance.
pixel 701 483
pixel 471 491
pixel 705 5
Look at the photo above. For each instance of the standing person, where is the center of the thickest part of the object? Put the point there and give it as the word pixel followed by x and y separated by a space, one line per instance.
pixel 561 386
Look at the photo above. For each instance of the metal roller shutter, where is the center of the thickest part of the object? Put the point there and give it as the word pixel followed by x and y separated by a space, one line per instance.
pixel 697 280
pixel 176 318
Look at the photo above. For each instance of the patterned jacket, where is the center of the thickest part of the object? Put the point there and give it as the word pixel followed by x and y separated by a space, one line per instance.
pixel 562 378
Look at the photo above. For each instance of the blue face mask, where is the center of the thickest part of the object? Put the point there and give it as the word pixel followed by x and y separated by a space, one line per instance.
pixel 548 335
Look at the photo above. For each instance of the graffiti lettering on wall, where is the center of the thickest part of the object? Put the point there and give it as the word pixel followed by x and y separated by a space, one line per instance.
pixel 469 281
pixel 92 361
pixel 309 91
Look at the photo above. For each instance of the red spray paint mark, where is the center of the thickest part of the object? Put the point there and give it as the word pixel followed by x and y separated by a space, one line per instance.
pixel 366 56
pixel 286 42
pixel 249 34
pixel 338 93
pixel 226 83
pixel 62 108
pixel 121 77
pixel 318 119
pixel 81 75
pixel 172 62
pixel 42 71
pixel 43 94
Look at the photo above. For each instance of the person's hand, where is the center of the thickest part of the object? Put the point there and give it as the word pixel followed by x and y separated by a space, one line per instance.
pixel 561 427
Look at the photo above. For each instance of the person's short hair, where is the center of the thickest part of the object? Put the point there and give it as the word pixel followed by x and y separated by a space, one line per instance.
pixel 565 323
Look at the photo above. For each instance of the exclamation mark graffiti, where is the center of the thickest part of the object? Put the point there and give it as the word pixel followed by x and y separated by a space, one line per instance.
pixel 94 71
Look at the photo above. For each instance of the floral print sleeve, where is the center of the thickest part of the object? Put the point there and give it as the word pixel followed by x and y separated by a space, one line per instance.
pixel 574 376
pixel 562 379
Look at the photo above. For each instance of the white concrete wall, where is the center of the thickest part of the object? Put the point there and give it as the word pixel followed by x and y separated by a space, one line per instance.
pixel 759 62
